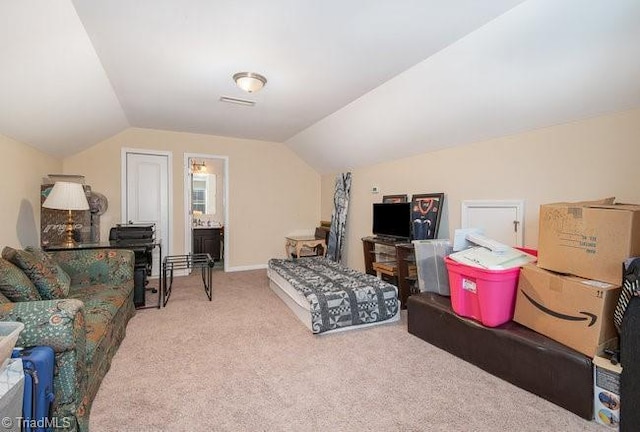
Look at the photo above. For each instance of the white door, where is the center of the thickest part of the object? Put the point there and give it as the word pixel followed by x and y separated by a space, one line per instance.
pixel 501 220
pixel 146 195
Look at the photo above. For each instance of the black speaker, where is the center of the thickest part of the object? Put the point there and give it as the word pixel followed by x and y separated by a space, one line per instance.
pixel 139 282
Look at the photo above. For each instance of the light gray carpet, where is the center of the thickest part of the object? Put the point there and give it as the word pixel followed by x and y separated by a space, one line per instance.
pixel 243 362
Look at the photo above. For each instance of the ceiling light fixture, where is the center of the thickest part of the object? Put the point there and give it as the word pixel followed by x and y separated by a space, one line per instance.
pixel 249 81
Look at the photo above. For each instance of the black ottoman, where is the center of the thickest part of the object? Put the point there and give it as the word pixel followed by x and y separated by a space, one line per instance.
pixel 512 352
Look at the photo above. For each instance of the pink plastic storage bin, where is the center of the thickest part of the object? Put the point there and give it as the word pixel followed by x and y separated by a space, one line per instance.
pixel 487 296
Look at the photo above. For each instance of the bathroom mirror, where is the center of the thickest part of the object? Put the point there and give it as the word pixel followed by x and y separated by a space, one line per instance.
pixel 203 194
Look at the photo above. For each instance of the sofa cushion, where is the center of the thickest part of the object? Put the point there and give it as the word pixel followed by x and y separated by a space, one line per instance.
pixel 96 266
pixel 51 281
pixel 101 306
pixel 15 285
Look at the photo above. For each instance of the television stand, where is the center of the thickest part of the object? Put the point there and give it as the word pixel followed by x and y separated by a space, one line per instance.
pixel 381 260
pixel 386 270
pixel 389 240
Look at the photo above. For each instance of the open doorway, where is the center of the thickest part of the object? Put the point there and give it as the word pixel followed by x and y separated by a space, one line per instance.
pixel 206 204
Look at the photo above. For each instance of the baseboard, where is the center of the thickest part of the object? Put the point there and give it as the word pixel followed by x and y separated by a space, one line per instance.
pixel 246 268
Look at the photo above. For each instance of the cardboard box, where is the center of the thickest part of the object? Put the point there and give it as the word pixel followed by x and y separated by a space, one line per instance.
pixel 573 311
pixel 588 239
pixel 606 392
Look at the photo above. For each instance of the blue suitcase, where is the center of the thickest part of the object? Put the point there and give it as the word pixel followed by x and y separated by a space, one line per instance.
pixel 37 363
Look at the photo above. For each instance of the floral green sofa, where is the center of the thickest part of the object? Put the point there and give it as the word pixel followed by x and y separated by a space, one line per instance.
pixel 81 306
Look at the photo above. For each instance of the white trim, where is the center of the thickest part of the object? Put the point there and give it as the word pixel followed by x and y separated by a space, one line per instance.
pixel 245 268
pixel 187 211
pixel 225 202
pixel 518 204
pixel 166 245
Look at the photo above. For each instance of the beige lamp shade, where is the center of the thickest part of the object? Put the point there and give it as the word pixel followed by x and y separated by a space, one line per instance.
pixel 66 196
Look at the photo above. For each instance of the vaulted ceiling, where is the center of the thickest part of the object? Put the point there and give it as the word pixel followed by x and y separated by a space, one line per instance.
pixel 350 83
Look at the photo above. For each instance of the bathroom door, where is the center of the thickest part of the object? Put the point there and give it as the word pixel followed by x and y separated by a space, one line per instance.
pixel 146 195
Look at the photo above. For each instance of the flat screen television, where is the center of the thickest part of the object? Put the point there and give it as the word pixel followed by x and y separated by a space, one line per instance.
pixel 392 220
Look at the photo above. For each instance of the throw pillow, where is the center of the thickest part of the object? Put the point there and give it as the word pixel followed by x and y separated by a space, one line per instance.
pixel 51 281
pixel 15 285
pixel 3 299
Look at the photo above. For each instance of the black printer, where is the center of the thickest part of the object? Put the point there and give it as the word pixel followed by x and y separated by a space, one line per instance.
pixel 140 238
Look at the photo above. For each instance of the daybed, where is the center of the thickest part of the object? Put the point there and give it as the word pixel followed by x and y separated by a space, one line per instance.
pixel 78 302
pixel 329 297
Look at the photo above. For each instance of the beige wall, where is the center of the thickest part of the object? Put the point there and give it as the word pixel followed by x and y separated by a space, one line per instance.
pixel 21 171
pixel 583 160
pixel 272 192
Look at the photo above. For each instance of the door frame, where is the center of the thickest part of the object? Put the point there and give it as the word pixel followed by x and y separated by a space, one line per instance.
pixel 225 200
pixel 518 204
pixel 124 151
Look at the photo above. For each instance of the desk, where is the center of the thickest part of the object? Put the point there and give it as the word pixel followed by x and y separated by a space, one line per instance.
pixel 298 242
pixel 139 246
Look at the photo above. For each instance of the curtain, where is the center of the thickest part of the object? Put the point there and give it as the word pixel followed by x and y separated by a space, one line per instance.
pixel 339 217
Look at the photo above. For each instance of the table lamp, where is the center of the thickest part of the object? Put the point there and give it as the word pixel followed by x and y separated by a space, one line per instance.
pixel 67 196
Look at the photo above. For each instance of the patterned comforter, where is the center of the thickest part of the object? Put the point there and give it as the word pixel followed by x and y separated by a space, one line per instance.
pixel 338 296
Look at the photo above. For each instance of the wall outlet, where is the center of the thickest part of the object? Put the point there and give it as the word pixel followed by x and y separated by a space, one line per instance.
pixel 375 189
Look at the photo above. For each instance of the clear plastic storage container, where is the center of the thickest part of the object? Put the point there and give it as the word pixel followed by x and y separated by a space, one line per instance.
pixel 431 267
pixel 9 332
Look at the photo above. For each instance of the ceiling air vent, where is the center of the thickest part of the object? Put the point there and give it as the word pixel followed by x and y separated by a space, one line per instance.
pixel 237 101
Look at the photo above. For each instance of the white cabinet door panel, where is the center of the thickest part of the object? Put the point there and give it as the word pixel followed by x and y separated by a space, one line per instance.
pixel 501 220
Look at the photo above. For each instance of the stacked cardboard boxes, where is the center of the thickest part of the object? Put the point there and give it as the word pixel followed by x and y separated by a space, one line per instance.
pixel 571 310
pixel 571 294
pixel 590 240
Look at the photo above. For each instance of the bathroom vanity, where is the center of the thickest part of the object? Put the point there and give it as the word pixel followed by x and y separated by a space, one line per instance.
pixel 208 240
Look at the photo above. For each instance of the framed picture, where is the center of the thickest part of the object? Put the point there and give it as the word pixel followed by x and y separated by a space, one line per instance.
pixel 394 199
pixel 426 210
